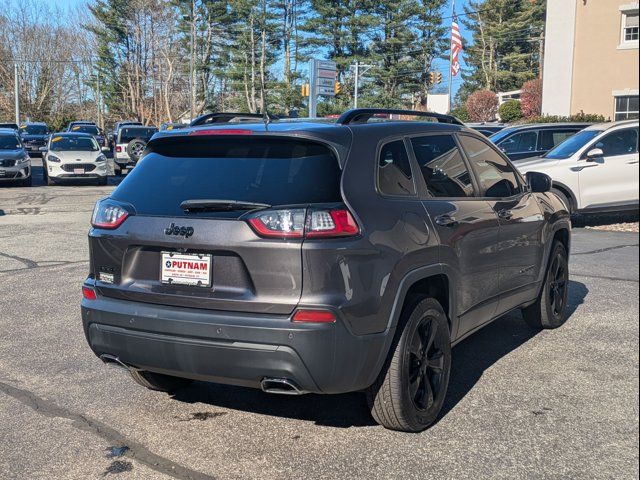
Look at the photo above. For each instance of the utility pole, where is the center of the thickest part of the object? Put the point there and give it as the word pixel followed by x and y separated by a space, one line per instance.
pixel 16 92
pixel 192 62
pixel 358 71
pixel 99 99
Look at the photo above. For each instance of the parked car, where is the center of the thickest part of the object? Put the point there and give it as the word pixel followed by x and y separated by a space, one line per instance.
pixel 525 141
pixel 73 156
pixel 79 122
pixel 10 126
pixel 486 128
pixel 15 164
pixel 91 130
pixel 130 143
pixel 596 169
pixel 116 128
pixel 321 257
pixel 34 136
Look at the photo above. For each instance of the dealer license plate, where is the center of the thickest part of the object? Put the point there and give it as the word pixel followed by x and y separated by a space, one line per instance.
pixel 78 170
pixel 183 269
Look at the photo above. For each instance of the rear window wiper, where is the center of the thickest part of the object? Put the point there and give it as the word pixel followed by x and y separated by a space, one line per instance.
pixel 215 205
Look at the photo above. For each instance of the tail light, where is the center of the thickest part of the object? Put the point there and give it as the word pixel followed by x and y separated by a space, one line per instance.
pixel 88 293
pixel 118 148
pixel 300 223
pixel 108 214
pixel 314 316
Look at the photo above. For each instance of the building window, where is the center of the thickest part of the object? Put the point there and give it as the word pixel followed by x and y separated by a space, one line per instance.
pixel 626 107
pixel 629 28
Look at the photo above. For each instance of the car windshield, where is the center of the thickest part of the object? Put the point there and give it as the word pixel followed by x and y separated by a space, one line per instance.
pixel 91 129
pixel 572 144
pixel 496 137
pixel 63 143
pixel 129 133
pixel 9 142
pixel 34 129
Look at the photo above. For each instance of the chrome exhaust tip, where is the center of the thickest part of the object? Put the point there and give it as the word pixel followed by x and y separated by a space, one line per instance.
pixel 281 386
pixel 113 360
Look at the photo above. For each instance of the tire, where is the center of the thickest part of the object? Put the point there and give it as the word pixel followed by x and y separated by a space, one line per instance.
pixel 158 381
pixel 135 148
pixel 550 309
pixel 410 390
pixel 102 181
pixel 50 181
pixel 566 200
pixel 28 182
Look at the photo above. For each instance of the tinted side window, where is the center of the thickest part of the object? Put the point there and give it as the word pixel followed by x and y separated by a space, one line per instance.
pixel 622 142
pixel 520 142
pixel 551 138
pixel 394 170
pixel 442 166
pixel 497 178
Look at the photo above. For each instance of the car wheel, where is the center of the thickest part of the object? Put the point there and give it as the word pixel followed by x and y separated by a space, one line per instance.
pixel 549 311
pixel 410 390
pixel 135 149
pixel 102 181
pixel 50 181
pixel 566 200
pixel 158 381
pixel 27 182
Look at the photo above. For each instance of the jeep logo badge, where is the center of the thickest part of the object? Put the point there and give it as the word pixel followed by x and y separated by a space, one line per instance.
pixel 173 229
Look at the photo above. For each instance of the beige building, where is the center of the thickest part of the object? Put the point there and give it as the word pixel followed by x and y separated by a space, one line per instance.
pixel 591 58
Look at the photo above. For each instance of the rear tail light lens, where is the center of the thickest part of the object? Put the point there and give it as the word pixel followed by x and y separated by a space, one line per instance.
pixel 118 148
pixel 314 316
pixel 108 214
pixel 300 223
pixel 279 223
pixel 331 223
pixel 88 293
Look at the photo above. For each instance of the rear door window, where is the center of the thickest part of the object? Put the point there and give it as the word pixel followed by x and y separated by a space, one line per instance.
pixel 394 170
pixel 443 168
pixel 550 138
pixel 620 142
pixel 264 170
pixel 523 142
pixel 131 133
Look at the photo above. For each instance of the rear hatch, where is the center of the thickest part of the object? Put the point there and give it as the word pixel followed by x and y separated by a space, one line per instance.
pixel 246 272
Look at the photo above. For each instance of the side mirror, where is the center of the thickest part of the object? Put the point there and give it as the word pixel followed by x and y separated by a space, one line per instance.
pixel 43 149
pixel 594 154
pixel 106 149
pixel 539 182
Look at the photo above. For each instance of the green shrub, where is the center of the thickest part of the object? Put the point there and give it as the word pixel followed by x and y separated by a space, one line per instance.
pixel 576 117
pixel 510 111
pixel 461 113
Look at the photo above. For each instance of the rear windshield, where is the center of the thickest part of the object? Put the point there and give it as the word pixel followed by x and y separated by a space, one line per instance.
pixel 129 133
pixel 271 171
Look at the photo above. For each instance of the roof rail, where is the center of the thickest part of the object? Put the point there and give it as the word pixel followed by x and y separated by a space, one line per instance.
pixel 226 117
pixel 363 115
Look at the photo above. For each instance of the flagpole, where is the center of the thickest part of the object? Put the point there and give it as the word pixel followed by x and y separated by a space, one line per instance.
pixel 453 13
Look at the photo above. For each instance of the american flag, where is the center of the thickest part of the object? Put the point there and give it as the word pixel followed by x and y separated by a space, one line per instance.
pixel 456 46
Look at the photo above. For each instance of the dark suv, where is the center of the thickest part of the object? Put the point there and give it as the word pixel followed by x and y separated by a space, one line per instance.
pixel 315 257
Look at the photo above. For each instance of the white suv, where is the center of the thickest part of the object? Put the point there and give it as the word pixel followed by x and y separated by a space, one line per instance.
pixel 596 169
pixel 74 156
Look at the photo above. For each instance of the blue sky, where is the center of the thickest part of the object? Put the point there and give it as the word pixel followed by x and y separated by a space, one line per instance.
pixel 441 65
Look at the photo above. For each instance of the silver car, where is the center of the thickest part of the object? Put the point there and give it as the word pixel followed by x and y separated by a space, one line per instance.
pixel 74 156
pixel 15 164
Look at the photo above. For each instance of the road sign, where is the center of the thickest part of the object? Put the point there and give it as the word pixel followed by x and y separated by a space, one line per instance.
pixel 328 91
pixel 325 82
pixel 322 79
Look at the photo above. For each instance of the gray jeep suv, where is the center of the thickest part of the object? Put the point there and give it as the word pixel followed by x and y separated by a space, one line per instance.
pixel 321 257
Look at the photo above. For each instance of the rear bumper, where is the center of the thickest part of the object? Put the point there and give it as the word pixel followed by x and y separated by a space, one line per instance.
pixel 232 348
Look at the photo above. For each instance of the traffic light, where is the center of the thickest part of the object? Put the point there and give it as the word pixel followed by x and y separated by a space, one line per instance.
pixel 305 90
pixel 439 77
pixel 432 78
pixel 337 88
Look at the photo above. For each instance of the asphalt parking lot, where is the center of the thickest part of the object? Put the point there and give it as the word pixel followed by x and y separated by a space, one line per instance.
pixel 522 404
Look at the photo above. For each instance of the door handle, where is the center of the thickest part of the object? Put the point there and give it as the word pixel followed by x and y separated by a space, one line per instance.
pixel 446 221
pixel 505 214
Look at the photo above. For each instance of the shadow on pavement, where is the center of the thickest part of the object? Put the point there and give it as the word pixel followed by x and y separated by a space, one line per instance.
pixel 470 359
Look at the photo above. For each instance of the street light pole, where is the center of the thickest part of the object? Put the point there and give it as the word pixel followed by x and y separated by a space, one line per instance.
pixel 357 82
pixel 192 76
pixel 16 92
